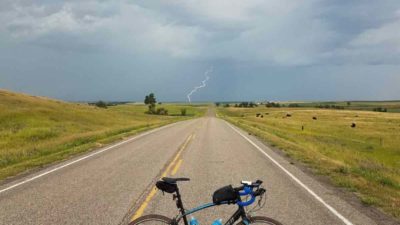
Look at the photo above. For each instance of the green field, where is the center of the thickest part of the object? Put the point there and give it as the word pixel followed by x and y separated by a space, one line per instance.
pixel 364 159
pixel 35 131
pixel 391 106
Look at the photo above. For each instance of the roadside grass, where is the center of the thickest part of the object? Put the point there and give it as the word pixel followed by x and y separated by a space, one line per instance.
pixel 364 160
pixel 35 131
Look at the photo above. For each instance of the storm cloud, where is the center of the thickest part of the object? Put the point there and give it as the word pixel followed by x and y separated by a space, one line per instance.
pixel 277 49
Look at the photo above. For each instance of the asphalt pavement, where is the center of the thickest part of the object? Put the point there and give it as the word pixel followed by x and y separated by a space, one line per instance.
pixel 114 184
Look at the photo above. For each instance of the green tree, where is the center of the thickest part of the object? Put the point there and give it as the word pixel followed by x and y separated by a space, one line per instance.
pixel 151 101
pixel 101 104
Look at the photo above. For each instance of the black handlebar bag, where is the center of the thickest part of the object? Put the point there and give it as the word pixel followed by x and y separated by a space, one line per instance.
pixel 225 194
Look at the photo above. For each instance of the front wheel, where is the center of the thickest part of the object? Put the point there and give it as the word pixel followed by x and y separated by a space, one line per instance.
pixel 262 220
pixel 152 220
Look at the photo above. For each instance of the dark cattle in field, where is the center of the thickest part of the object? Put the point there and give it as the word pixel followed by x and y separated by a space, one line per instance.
pixel 262 116
pixel 288 115
pixel 314 118
pixel 258 114
pixel 353 125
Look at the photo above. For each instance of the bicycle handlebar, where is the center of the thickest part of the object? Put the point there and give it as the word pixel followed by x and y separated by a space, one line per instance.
pixel 247 189
pixel 254 184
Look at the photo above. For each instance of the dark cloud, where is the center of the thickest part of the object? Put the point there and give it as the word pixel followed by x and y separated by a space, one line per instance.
pixel 86 50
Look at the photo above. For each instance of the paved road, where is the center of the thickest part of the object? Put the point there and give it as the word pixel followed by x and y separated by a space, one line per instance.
pixel 110 186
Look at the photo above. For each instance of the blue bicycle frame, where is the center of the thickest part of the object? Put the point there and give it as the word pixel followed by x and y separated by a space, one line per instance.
pixel 240 213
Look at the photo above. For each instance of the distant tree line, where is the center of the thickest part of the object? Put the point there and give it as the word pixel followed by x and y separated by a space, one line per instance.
pixel 238 105
pixel 103 104
pixel 246 105
pixel 380 109
pixel 273 105
pixel 294 105
pixel 320 105
pixel 223 104
pixel 100 104
pixel 329 106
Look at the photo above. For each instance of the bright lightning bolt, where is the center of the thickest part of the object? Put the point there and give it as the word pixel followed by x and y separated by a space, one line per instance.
pixel 203 84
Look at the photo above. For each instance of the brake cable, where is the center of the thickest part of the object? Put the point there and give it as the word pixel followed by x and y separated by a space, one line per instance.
pixel 259 204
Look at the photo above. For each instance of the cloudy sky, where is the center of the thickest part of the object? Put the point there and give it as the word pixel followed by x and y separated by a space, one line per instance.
pixel 258 49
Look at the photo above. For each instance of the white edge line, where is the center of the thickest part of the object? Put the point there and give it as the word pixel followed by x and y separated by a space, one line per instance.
pixel 85 157
pixel 333 210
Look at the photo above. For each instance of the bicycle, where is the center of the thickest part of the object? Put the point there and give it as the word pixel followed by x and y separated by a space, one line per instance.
pixel 222 196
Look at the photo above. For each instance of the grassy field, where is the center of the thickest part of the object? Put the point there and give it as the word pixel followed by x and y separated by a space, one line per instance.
pixel 35 131
pixel 364 159
pixel 391 106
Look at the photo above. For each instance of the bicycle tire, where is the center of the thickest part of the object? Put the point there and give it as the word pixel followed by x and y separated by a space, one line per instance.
pixel 151 220
pixel 262 220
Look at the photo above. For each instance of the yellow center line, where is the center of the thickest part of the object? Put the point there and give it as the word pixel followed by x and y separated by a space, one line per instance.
pixel 177 155
pixel 176 167
pixel 143 206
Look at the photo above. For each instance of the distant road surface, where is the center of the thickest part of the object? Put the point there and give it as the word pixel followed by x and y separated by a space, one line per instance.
pixel 114 184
